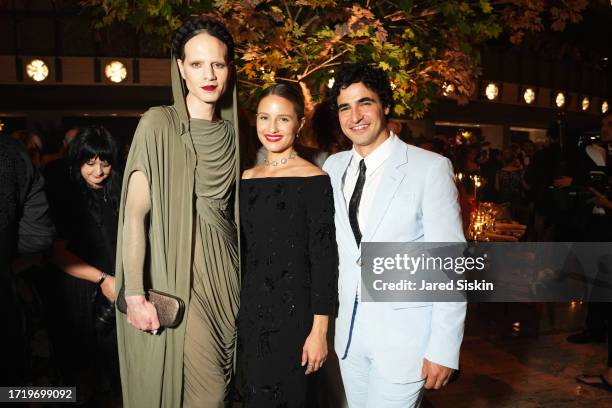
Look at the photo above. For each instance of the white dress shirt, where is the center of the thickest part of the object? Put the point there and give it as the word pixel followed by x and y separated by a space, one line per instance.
pixel 374 171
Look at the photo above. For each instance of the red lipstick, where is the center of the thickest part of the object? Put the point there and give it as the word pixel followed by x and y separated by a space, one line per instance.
pixel 209 88
pixel 272 137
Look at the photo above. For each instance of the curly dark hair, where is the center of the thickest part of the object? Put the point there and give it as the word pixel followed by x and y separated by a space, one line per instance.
pixel 197 25
pixel 374 79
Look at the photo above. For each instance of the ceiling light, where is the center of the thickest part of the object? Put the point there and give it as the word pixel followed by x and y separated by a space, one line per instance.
pixel 585 103
pixel 115 71
pixel 560 100
pixel 492 91
pixel 529 95
pixel 37 70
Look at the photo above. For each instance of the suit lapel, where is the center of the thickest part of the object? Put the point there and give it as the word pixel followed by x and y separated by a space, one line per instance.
pixel 391 180
pixel 344 227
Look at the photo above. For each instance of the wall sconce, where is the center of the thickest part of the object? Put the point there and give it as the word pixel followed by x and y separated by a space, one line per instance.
pixel 37 70
pixel 604 104
pixel 115 71
pixel 492 91
pixel 560 100
pixel 529 96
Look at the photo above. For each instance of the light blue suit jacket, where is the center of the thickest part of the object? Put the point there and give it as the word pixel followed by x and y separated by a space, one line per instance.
pixel 416 201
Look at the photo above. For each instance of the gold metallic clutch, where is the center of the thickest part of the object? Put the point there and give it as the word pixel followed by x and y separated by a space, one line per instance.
pixel 170 309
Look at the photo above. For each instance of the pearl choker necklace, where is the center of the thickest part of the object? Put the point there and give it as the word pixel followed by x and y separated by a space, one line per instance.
pixel 282 161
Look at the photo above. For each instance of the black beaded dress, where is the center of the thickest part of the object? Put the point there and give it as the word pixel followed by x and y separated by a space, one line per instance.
pixel 289 275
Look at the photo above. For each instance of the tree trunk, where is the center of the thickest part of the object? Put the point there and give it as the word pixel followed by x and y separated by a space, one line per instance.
pixel 308 103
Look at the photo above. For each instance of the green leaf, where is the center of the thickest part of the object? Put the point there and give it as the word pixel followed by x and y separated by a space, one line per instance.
pixel 485 5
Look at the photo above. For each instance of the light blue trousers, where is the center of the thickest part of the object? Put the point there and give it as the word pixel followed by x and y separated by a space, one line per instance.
pixel 363 384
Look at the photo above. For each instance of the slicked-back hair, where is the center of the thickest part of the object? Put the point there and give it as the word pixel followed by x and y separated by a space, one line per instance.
pixel 375 79
pixel 198 25
pixel 287 92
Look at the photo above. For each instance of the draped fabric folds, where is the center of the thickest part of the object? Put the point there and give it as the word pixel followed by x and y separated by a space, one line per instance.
pixel 163 149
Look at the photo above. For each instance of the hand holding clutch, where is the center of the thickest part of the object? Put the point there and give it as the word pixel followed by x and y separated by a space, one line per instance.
pixel 170 309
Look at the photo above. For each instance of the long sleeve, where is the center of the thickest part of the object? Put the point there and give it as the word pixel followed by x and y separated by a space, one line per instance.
pixel 36 230
pixel 322 249
pixel 137 207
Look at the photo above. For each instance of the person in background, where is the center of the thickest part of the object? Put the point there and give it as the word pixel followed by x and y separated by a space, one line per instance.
pixel 600 313
pixel 50 158
pixel 33 144
pixel 597 158
pixel 85 251
pixel 509 181
pixel 488 171
pixel 57 178
pixel 25 229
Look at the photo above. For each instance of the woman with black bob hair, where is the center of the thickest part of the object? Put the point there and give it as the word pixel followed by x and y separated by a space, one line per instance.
pixel 85 251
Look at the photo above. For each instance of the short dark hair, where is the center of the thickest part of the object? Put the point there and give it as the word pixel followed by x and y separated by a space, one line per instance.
pixel 197 25
pixel 89 143
pixel 375 79
pixel 288 92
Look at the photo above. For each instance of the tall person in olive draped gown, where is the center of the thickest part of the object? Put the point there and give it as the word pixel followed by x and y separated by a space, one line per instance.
pixel 178 231
pixel 290 261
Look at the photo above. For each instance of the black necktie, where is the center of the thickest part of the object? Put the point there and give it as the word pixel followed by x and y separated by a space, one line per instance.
pixel 355 200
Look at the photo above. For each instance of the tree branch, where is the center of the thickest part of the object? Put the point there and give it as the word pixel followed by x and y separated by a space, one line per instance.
pixel 323 64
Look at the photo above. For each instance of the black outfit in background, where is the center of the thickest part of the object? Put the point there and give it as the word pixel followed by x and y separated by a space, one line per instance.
pixel 88 348
pixel 289 275
pixel 25 228
pixel 489 171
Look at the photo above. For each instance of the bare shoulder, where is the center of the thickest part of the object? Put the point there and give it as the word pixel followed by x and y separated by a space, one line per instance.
pixel 250 173
pixel 307 169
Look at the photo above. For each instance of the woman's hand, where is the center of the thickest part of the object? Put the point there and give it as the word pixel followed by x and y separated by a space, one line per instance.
pixel 314 352
pixel 141 313
pixel 108 288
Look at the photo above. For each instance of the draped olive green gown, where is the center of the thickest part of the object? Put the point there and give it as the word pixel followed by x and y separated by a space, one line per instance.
pixel 192 169
pixel 210 333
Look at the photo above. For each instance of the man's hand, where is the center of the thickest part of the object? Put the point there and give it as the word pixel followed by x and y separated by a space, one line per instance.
pixel 141 313
pixel 435 375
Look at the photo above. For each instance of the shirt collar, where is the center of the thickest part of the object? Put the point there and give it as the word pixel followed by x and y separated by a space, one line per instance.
pixel 376 158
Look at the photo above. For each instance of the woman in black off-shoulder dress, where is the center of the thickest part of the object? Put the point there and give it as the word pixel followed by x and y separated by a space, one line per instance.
pixel 289 264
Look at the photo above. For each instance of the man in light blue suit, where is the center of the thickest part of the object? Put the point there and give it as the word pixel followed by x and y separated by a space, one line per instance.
pixel 388 191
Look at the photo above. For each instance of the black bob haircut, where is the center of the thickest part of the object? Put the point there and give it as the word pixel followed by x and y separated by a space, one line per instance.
pixel 197 25
pixel 96 142
pixel 375 79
